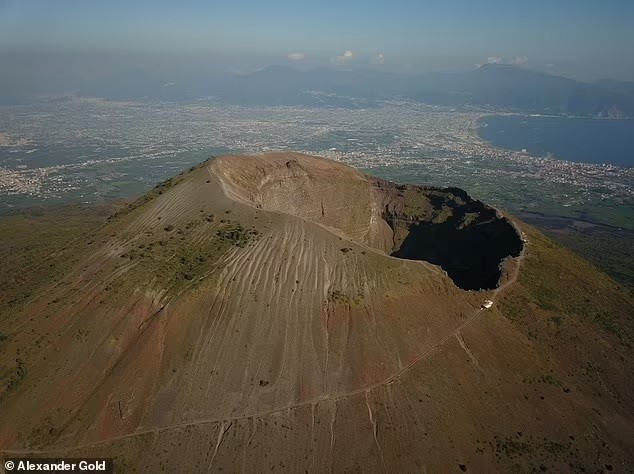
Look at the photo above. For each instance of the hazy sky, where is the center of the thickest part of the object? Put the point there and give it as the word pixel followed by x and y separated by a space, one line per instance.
pixel 582 35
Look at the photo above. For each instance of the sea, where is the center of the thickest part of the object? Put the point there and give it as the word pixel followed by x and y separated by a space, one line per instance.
pixel 584 140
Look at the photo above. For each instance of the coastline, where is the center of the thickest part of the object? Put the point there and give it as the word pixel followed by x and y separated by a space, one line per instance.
pixel 562 149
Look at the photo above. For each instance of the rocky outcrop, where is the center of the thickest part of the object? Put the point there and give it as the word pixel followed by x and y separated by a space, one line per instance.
pixel 445 226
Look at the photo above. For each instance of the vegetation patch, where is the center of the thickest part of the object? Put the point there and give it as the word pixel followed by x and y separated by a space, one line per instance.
pixel 608 248
pixel 548 379
pixel 173 262
pixel 38 246
pixel 236 234
pixel 559 287
pixel 540 454
pixel 337 296
pixel 15 378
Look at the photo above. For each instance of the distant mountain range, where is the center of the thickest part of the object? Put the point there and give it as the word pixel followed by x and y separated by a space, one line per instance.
pixel 495 85
pixel 525 90
pixel 490 85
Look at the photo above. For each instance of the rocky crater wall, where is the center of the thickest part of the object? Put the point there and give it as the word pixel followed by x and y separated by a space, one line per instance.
pixel 322 191
pixel 443 226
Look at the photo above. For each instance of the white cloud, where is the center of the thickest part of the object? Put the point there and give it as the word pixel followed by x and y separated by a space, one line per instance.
pixel 517 60
pixel 296 56
pixel 345 57
pixel 550 65
pixel 169 84
pixel 379 58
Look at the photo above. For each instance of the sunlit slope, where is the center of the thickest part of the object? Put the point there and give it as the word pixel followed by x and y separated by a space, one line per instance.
pixel 216 325
pixel 194 307
pixel 312 188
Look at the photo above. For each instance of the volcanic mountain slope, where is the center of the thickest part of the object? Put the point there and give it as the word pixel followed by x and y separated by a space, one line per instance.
pixel 248 316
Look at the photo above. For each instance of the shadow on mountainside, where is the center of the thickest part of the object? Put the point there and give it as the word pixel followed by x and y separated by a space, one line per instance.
pixel 464 236
pixel 471 256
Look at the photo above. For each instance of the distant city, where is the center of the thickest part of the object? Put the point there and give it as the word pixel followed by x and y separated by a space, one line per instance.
pixel 89 150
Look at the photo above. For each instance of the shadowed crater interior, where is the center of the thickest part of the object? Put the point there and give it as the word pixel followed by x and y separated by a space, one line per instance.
pixel 465 237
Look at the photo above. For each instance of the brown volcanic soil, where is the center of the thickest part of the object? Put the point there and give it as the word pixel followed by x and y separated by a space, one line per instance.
pixel 246 316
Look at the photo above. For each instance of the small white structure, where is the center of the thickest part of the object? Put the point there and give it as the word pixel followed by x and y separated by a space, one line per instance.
pixel 487 304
